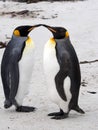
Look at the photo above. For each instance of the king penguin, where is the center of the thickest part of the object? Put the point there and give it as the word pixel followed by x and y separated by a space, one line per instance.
pixel 16 68
pixel 62 72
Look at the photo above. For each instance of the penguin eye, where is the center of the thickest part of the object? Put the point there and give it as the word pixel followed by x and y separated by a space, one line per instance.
pixel 16 33
pixel 66 34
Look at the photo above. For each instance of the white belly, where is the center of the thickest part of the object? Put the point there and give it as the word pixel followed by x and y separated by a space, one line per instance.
pixel 51 68
pixel 25 70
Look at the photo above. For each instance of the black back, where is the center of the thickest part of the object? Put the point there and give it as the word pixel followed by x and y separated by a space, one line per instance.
pixel 69 66
pixel 10 68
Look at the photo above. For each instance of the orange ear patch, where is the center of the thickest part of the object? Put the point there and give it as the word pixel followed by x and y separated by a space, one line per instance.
pixel 66 34
pixel 16 33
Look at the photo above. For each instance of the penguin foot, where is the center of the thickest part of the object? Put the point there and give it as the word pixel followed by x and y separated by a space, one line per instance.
pixel 7 104
pixel 56 113
pixel 25 109
pixel 78 109
pixel 65 115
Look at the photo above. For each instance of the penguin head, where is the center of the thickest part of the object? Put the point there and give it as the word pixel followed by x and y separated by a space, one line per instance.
pixel 23 31
pixel 58 32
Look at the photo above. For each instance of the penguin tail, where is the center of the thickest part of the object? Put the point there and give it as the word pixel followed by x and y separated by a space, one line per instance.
pixel 78 109
pixel 7 104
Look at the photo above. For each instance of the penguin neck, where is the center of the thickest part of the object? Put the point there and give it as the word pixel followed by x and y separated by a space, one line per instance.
pixel 19 38
pixel 61 40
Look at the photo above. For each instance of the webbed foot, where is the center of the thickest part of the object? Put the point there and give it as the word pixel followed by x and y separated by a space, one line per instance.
pixel 25 109
pixel 65 115
pixel 58 115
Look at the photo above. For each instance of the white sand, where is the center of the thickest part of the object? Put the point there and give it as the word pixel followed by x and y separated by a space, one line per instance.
pixel 81 19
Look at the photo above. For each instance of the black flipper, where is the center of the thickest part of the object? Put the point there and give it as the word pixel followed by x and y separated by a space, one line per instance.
pixel 59 81
pixel 62 74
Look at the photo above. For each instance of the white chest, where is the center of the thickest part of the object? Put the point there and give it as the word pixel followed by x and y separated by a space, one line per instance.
pixel 51 68
pixel 25 71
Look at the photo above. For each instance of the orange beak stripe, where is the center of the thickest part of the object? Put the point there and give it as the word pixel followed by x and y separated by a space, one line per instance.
pixel 31 29
pixel 52 30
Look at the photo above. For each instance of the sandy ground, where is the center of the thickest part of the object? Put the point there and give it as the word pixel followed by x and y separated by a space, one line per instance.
pixel 81 19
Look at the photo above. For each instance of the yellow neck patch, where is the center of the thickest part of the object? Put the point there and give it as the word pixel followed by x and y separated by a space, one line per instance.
pixel 66 34
pixel 29 45
pixel 51 43
pixel 16 33
pixel 52 40
pixel 28 41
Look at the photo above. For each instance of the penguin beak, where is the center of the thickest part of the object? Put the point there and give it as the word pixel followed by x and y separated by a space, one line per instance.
pixel 50 28
pixel 33 27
